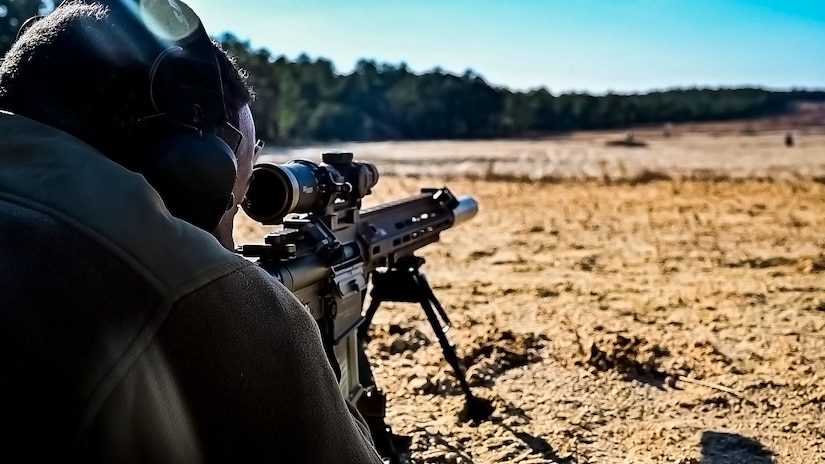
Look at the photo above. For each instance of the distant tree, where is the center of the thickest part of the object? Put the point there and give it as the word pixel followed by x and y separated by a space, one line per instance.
pixel 307 100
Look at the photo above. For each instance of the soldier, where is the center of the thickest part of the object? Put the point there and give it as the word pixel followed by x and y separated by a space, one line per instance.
pixel 129 332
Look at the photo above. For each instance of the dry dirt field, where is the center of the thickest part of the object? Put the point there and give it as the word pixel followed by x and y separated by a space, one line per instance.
pixel 662 304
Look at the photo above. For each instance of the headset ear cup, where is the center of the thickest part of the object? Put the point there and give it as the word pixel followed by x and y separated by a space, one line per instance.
pixel 195 175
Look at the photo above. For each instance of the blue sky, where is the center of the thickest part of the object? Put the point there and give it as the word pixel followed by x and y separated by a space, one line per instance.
pixel 564 45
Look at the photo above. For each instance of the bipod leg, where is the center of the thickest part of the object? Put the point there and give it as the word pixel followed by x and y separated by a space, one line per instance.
pixel 477 409
pixel 424 285
pixel 372 403
pixel 363 329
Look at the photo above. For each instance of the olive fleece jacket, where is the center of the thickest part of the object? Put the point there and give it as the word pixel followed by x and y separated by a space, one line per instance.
pixel 130 336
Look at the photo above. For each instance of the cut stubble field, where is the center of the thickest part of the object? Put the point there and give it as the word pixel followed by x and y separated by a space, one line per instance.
pixel 618 317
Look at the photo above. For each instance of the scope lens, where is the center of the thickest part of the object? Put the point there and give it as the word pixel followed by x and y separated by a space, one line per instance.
pixel 280 189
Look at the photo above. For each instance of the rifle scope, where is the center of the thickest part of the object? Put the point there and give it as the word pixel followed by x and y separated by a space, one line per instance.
pixel 303 186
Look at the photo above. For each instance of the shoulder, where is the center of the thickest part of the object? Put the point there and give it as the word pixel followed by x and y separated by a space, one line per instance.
pixel 251 294
pixel 50 171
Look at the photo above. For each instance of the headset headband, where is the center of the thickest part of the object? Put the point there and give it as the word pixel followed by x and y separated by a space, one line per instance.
pixel 185 82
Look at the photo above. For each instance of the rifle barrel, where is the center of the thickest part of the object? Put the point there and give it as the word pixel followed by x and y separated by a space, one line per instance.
pixel 467 209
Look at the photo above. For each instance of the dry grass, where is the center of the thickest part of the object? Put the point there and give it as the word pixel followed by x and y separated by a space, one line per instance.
pixel 689 156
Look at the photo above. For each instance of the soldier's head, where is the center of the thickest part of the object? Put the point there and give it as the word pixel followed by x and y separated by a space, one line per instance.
pixel 144 84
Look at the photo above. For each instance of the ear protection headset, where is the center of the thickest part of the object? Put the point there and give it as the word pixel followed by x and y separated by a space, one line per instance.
pixel 183 158
pixel 181 155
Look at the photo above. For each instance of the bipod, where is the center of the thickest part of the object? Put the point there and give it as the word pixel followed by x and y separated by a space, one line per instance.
pixel 372 404
pixel 404 283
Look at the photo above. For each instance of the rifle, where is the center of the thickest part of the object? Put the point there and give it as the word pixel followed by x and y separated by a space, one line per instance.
pixel 329 250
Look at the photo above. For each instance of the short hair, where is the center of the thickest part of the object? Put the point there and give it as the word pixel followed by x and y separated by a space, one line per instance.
pixel 237 92
pixel 79 70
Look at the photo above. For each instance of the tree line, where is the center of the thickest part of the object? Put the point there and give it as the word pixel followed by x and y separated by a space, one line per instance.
pixel 306 100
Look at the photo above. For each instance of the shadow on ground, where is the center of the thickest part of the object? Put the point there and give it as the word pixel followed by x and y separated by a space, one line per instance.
pixel 542 448
pixel 730 448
